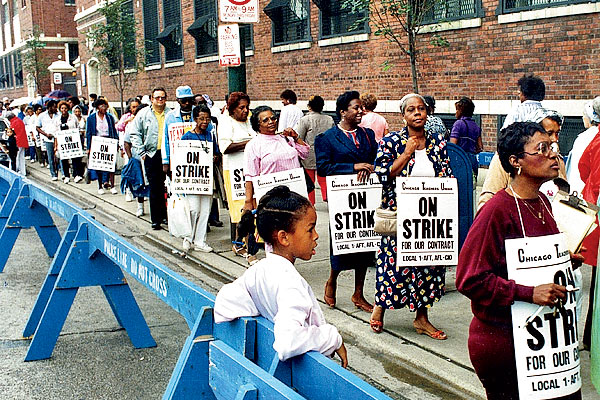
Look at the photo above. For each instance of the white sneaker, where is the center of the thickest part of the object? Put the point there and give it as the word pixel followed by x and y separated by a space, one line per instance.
pixel 77 179
pixel 66 180
pixel 48 166
pixel 32 161
pixel 140 210
pixel 100 191
pixel 128 197
pixel 187 245
pixel 54 178
pixel 113 190
pixel 205 248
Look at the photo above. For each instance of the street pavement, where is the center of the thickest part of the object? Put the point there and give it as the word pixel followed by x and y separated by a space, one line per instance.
pixel 94 358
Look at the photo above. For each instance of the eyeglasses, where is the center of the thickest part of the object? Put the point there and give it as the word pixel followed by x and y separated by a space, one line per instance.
pixel 160 97
pixel 272 118
pixel 544 149
pixel 186 100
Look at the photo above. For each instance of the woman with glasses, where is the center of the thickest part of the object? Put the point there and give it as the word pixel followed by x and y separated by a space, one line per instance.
pixel 269 151
pixel 526 152
pixel 102 124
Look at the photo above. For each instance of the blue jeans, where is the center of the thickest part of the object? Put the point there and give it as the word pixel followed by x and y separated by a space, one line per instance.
pixel 50 152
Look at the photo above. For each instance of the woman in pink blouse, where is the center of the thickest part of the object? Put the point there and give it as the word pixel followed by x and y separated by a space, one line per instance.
pixel 270 151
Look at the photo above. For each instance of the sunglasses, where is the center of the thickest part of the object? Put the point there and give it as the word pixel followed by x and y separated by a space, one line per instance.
pixel 544 149
pixel 160 97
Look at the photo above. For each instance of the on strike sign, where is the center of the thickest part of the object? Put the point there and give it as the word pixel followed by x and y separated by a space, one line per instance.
pixel 236 176
pixel 103 153
pixel 230 54
pixel 427 221
pixel 244 11
pixel 191 165
pixel 69 144
pixel 352 207
pixel 176 130
pixel 547 347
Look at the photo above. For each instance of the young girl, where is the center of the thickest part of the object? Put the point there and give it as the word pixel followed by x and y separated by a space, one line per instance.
pixel 274 289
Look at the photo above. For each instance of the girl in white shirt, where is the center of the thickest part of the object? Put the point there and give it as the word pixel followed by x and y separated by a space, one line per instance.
pixel 274 289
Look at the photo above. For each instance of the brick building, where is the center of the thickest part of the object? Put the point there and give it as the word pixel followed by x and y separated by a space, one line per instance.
pixel 315 47
pixel 55 18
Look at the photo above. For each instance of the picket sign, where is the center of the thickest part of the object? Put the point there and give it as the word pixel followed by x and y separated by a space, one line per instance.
pixel 218 361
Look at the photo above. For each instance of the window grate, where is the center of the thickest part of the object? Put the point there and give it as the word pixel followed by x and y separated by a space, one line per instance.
pixel 205 12
pixel 290 20
pixel 452 10
pixel 508 6
pixel 340 21
pixel 172 22
pixel 150 11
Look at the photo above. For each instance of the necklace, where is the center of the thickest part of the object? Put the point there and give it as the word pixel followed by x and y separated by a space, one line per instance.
pixel 346 131
pixel 537 214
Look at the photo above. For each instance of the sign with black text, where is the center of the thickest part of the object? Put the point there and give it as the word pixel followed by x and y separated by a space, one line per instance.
pixel 242 11
pixel 103 154
pixel 352 207
pixel 292 178
pixel 546 348
pixel 191 167
pixel 427 221
pixel 69 144
pixel 236 176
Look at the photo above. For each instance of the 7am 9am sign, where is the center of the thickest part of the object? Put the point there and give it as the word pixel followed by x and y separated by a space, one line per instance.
pixel 240 11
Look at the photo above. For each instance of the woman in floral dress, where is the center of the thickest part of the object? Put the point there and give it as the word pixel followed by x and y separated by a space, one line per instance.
pixel 412 151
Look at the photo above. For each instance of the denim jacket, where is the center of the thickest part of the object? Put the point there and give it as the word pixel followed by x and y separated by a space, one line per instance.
pixel 144 134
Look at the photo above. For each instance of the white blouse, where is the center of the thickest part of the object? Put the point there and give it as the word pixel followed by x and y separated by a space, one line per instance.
pixel 274 289
pixel 422 166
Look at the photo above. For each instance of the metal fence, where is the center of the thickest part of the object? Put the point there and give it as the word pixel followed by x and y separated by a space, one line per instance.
pixel 508 6
pixel 451 10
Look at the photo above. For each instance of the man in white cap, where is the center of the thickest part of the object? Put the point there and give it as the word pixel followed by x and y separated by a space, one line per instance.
pixel 181 113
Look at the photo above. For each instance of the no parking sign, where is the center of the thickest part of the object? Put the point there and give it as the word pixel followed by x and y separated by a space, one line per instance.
pixel 244 11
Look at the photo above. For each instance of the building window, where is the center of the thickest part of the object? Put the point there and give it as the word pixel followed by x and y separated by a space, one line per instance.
pixel 73 49
pixel 204 28
pixel 3 77
pixel 508 6
pixel 23 3
pixel 290 20
pixel 69 2
pixel 171 37
pixel 5 13
pixel 129 34
pixel 18 70
pixel 247 36
pixel 339 20
pixel 15 8
pixel 10 81
pixel 452 10
pixel 150 11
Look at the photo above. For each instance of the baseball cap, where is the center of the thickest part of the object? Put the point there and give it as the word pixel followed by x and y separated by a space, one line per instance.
pixel 183 92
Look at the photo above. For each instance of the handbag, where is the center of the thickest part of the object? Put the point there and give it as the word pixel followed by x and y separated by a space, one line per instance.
pixel 385 222
pixel 178 211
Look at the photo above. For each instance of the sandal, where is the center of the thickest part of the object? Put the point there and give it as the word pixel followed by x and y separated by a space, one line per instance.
pixel 329 300
pixel 251 259
pixel 240 251
pixel 363 305
pixel 376 326
pixel 437 334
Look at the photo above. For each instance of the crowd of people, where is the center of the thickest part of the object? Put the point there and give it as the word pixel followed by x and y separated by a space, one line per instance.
pixel 245 143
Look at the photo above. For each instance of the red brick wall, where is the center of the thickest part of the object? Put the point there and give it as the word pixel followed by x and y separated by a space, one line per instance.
pixel 482 63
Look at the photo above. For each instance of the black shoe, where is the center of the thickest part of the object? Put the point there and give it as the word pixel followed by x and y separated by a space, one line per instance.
pixel 164 221
pixel 217 223
pixel 156 226
pixel 207 228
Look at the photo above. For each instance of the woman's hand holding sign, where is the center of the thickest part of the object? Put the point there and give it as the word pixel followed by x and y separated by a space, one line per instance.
pixel 364 171
pixel 548 294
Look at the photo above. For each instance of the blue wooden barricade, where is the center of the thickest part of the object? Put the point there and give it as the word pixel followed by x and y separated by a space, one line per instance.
pixel 233 360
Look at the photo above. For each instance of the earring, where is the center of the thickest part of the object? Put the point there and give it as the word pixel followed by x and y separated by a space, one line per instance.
pixel 519 170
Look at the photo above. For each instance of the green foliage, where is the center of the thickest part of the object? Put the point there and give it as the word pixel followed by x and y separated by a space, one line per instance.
pixel 400 22
pixel 113 43
pixel 34 61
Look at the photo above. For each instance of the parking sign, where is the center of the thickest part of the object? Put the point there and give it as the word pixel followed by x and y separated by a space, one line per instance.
pixel 229 46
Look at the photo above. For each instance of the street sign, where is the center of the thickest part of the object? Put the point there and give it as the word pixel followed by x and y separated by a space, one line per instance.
pixel 244 11
pixel 230 54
